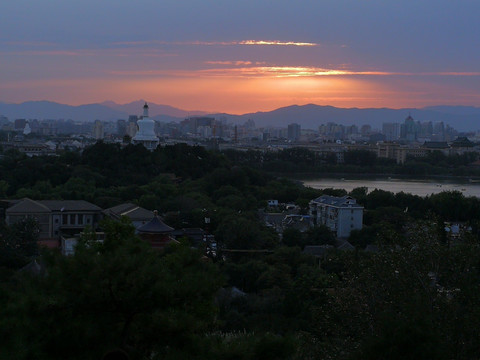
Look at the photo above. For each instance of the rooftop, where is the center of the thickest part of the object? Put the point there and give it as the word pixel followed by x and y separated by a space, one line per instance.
pixel 132 211
pixel 46 206
pixel 344 201
pixel 155 226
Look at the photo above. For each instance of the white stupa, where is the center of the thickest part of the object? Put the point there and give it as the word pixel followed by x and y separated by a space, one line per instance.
pixel 146 131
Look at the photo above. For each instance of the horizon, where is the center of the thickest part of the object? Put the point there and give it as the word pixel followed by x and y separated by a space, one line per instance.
pixel 240 58
pixel 208 112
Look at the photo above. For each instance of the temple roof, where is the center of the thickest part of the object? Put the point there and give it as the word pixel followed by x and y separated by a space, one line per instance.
pixel 462 141
pixel 155 226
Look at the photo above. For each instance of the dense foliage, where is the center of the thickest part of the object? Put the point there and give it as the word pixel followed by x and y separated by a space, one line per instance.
pixel 302 160
pixel 414 296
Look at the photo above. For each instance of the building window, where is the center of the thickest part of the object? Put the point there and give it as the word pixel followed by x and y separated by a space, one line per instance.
pixel 64 219
pixel 88 220
pixel 80 219
pixel 56 221
pixel 72 219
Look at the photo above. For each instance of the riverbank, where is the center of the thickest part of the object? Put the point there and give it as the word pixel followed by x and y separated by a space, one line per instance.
pixel 421 187
pixel 311 176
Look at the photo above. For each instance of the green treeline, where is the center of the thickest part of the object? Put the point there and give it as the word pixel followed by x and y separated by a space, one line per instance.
pixel 302 160
pixel 416 297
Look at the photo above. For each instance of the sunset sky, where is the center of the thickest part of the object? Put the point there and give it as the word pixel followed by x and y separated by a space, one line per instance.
pixel 241 56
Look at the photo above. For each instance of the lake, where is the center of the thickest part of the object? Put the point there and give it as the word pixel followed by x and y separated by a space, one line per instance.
pixel 416 187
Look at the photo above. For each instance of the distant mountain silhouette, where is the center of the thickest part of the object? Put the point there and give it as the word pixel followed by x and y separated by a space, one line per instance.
pixel 135 108
pixel 455 110
pixel 311 116
pixel 52 110
pixel 108 110
pixel 462 118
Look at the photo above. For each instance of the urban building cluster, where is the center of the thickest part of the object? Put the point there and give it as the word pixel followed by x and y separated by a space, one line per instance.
pixel 394 141
pixel 340 215
pixel 62 222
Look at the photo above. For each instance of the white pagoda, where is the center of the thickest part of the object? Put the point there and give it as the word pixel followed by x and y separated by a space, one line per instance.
pixel 146 131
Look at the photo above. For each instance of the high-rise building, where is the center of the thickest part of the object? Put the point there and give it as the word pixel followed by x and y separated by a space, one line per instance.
pixel 438 131
pixel 366 130
pixel 4 120
pixel 121 128
pixel 391 131
pixel 409 129
pixel 98 132
pixel 426 129
pixel 293 132
pixel 20 124
pixel 191 124
pixel 132 127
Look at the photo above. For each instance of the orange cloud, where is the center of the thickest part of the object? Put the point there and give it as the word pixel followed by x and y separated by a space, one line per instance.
pixel 276 42
pixel 245 71
pixel 222 43
pixel 287 71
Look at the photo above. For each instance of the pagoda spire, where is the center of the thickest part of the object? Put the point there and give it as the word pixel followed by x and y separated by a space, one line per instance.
pixel 145 110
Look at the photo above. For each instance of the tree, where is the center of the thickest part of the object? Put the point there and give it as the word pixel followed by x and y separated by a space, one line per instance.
pixel 360 194
pixel 292 237
pixel 119 294
pixel 360 157
pixel 18 243
pixel 238 232
pixel 319 235
pixel 3 188
pixel 404 301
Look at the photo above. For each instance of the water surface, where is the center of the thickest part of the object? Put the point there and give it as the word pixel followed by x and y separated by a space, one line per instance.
pixel 415 187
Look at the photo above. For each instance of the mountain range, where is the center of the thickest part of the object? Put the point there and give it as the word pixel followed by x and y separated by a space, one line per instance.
pixel 310 116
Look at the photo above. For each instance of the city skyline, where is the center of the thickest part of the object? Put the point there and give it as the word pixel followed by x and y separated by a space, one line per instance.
pixel 241 57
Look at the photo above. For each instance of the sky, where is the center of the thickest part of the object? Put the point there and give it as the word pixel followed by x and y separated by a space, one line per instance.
pixel 241 56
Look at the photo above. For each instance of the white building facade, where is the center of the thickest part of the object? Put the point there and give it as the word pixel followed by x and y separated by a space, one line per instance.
pixel 146 131
pixel 340 214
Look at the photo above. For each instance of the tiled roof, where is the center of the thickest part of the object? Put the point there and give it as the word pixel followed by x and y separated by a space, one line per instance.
pixel 155 226
pixel 435 145
pixel 69 205
pixel 462 141
pixel 119 209
pixel 344 201
pixel 343 244
pixel 132 211
pixel 27 205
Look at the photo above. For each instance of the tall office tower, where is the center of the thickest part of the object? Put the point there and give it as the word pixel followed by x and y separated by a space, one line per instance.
pixel 293 132
pixel 391 131
pixel 98 132
pixel 121 128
